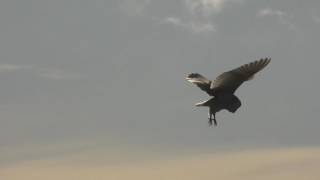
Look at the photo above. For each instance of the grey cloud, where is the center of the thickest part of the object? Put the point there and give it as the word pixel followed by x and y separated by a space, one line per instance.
pixel 97 70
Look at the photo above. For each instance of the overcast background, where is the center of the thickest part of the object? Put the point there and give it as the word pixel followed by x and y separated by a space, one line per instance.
pixel 109 75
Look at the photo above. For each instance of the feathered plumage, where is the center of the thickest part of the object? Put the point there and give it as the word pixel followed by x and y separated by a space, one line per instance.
pixel 224 86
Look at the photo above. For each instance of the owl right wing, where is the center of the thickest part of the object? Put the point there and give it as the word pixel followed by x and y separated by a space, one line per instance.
pixel 228 82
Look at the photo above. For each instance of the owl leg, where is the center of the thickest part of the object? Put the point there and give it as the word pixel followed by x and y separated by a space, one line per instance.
pixel 214 120
pixel 210 119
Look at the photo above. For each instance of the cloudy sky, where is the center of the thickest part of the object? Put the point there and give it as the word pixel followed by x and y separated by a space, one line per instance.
pixel 99 87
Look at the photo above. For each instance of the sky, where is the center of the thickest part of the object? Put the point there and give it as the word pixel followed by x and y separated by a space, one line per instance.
pixel 98 86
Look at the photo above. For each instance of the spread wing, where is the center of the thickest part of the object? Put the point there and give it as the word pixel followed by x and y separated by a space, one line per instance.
pixel 202 82
pixel 228 82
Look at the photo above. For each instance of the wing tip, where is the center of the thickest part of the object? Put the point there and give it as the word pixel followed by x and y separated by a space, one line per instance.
pixel 266 60
pixel 263 61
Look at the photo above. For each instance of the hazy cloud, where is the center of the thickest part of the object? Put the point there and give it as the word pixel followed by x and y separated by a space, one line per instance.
pixel 282 17
pixel 204 7
pixel 277 164
pixel 271 12
pixel 57 74
pixel 12 67
pixel 195 27
pixel 207 7
pixel 316 19
pixel 200 14
pixel 49 73
pixel 134 7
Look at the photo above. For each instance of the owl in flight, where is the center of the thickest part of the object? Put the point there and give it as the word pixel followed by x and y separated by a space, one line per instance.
pixel 223 87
